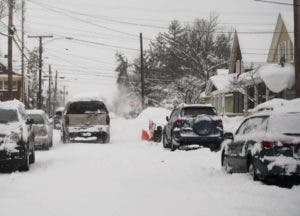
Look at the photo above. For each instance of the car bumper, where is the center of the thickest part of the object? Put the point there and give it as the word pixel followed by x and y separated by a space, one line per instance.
pixel 192 138
pixel 8 159
pixel 88 132
pixel 40 141
pixel 278 166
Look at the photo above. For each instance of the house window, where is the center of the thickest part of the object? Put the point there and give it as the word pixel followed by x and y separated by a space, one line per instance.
pixel 291 51
pixel 4 85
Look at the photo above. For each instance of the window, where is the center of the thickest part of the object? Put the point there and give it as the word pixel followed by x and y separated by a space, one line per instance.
pixel 195 111
pixel 242 127
pixel 86 107
pixel 7 115
pixel 256 124
pixel 37 119
pixel 4 85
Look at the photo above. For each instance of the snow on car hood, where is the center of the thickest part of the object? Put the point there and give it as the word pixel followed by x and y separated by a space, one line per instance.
pixel 9 127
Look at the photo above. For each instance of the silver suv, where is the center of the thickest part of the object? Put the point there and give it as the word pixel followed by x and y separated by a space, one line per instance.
pixel 86 120
pixel 16 137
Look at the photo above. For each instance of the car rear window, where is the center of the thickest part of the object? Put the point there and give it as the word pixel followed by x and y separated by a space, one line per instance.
pixel 287 124
pixel 7 115
pixel 37 119
pixel 86 107
pixel 58 113
pixel 195 111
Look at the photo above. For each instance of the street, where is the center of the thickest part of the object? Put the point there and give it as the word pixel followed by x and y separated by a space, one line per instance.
pixel 131 177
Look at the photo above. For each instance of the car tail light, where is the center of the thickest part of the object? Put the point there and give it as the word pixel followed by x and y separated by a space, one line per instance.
pixel 67 120
pixel 107 120
pixel 219 123
pixel 179 122
pixel 268 144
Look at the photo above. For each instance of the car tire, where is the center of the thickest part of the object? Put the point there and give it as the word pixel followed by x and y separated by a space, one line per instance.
pixel 173 146
pixel 252 169
pixel 25 166
pixel 106 138
pixel 214 147
pixel 32 157
pixel 166 144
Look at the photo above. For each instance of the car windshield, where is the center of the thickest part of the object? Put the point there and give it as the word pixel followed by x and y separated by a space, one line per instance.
pixel 86 107
pixel 287 124
pixel 195 111
pixel 37 119
pixel 58 113
pixel 7 115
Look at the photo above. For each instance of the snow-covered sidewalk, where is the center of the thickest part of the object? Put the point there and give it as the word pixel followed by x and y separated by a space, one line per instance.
pixel 129 177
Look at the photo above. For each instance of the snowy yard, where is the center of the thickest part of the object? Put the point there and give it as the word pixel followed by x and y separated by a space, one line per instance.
pixel 129 177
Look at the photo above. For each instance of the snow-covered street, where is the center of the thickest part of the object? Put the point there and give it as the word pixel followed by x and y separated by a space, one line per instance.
pixel 130 177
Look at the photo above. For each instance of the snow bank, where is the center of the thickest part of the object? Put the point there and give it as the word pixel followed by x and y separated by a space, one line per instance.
pixel 157 115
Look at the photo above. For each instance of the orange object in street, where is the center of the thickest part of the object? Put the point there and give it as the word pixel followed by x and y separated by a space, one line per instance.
pixel 145 135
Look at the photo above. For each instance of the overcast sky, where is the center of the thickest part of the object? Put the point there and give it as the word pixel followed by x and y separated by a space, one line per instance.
pixel 93 65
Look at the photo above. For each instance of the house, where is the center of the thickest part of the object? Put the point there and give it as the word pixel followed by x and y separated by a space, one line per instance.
pixel 16 84
pixel 250 82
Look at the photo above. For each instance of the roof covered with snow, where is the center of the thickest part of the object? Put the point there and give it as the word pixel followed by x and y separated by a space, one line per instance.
pixel 13 104
pixel 35 112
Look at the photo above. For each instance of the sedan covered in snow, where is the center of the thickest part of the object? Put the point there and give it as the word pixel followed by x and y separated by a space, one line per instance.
pixel 16 138
pixel 42 129
pixel 86 120
pixel 265 145
pixel 193 125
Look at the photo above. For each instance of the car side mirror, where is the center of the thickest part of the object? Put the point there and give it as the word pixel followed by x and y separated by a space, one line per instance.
pixel 167 118
pixel 29 121
pixel 228 135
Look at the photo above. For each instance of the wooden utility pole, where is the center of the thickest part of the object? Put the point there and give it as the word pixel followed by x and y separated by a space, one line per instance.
pixel 23 51
pixel 49 92
pixel 40 102
pixel 297 45
pixel 10 48
pixel 142 71
pixel 55 92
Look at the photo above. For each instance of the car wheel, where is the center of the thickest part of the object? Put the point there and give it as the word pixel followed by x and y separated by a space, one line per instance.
pixel 214 147
pixel 25 166
pixel 173 146
pixel 106 138
pixel 166 144
pixel 32 157
pixel 252 170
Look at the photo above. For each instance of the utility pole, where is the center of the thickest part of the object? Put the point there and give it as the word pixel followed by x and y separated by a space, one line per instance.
pixel 40 37
pixel 23 51
pixel 10 48
pixel 64 96
pixel 297 45
pixel 55 92
pixel 49 91
pixel 142 71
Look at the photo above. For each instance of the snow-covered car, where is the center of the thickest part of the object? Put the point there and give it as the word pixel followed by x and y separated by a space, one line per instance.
pixel 196 124
pixel 42 129
pixel 16 137
pixel 266 145
pixel 57 118
pixel 86 120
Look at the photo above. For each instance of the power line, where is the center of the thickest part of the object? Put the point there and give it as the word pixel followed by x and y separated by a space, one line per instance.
pixel 83 20
pixel 275 2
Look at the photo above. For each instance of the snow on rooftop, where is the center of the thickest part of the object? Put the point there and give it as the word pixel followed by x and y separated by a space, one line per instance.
pixel 12 104
pixel 222 82
pixel 288 19
pixel 222 71
pixel 277 78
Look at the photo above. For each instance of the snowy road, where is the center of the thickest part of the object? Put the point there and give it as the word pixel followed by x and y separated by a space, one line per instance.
pixel 128 177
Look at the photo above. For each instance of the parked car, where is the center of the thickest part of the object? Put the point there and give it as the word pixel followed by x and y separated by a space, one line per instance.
pixel 42 129
pixel 193 124
pixel 266 145
pixel 57 118
pixel 16 137
pixel 86 120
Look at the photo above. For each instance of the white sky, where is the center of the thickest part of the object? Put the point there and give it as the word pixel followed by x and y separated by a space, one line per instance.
pixel 93 65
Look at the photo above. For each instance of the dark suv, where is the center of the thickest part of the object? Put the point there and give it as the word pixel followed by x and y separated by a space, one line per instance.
pixel 16 137
pixel 193 124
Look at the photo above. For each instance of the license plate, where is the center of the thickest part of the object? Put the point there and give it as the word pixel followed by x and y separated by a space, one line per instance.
pixel 86 134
